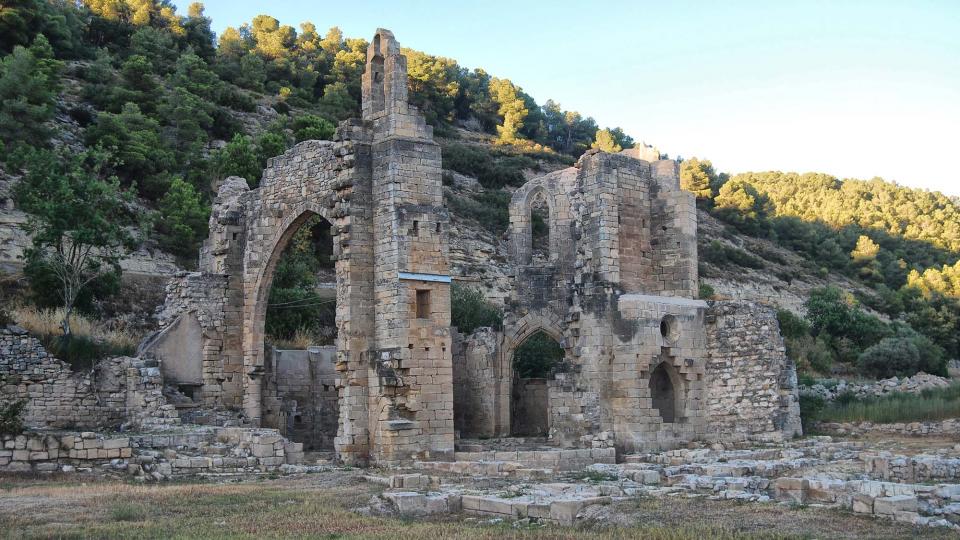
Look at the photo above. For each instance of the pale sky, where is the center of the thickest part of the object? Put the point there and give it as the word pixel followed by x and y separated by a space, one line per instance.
pixel 853 89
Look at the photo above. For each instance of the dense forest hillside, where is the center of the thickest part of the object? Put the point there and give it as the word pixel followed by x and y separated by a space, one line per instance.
pixel 119 117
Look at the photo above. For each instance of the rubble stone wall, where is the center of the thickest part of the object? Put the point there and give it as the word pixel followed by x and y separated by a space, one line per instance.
pixel 116 391
pixel 752 385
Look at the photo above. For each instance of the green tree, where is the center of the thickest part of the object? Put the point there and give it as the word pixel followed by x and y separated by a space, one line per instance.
pixel 157 46
pixel 309 126
pixel 78 220
pixel 17 23
pixel 605 142
pixel 537 357
pixel 698 177
pixel 183 219
pixel 512 109
pixel 140 85
pixel 239 158
pixel 470 310
pixel 139 153
pixel 739 203
pixel 337 103
pixel 29 84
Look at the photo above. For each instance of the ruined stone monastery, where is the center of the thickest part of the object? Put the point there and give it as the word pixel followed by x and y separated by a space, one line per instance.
pixel 647 366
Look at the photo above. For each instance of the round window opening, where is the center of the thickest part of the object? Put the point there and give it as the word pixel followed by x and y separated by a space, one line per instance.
pixel 669 328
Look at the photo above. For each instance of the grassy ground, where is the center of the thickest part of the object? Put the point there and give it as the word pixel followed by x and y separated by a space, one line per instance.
pixel 933 404
pixel 319 506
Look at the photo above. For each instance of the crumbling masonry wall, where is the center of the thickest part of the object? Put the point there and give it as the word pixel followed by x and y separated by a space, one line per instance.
pixel 117 391
pixel 618 291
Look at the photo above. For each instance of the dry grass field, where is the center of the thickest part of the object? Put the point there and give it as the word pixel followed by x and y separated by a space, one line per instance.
pixel 321 506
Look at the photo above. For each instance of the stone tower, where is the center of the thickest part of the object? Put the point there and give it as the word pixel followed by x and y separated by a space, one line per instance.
pixel 413 409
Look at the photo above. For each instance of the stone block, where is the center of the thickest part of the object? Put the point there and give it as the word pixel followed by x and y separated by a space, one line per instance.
pixel 492 505
pixel 791 489
pixel 862 503
pixel 109 444
pixel 565 512
pixel 407 503
pixel 898 503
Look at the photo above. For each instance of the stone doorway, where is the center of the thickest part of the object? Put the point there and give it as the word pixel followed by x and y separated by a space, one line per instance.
pixel 663 392
pixel 534 363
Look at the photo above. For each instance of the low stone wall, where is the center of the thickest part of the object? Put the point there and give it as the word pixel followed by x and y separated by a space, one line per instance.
pixel 912 469
pixel 116 391
pixel 949 427
pixel 158 456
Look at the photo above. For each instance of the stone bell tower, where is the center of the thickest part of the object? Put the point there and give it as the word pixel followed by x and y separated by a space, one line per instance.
pixel 411 396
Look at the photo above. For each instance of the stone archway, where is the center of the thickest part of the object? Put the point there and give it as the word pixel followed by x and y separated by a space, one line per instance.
pixel 533 364
pixel 299 394
pixel 393 350
pixel 516 334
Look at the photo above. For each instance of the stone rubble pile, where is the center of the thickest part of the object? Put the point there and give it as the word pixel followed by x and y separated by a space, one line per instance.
pixel 913 385
pixel 949 427
pixel 919 489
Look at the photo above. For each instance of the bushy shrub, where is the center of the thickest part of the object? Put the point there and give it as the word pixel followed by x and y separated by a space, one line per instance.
pixel 309 126
pixel 11 417
pixel 491 168
pixel 810 354
pixel 490 209
pixel 811 408
pixel 82 352
pixel 893 356
pixel 706 292
pixel 791 325
pixel 469 310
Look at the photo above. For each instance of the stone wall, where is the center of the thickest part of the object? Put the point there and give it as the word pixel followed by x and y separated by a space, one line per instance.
pixel 117 391
pixel 830 390
pixel 949 428
pixel 194 338
pixel 751 384
pixel 529 412
pixel 300 395
pixel 475 383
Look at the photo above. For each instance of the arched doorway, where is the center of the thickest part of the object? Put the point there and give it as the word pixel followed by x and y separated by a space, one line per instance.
pixel 300 397
pixel 534 363
pixel 664 392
